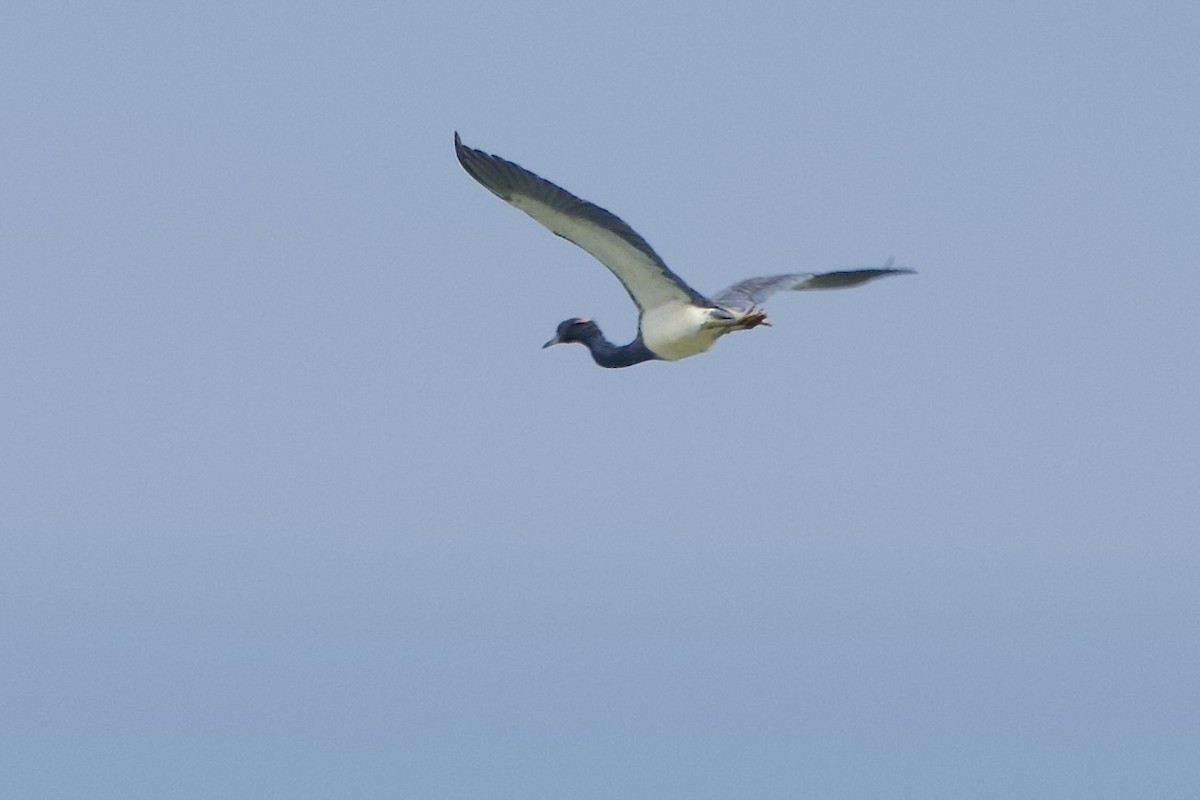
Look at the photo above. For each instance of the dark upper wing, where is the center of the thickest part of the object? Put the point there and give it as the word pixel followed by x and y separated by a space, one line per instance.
pixel 755 291
pixel 615 244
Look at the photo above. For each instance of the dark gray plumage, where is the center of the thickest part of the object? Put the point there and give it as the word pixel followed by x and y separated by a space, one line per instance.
pixel 755 291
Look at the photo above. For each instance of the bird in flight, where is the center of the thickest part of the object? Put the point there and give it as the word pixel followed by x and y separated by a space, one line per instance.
pixel 674 320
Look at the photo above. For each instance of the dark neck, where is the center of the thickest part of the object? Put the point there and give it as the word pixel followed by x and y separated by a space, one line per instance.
pixel 607 354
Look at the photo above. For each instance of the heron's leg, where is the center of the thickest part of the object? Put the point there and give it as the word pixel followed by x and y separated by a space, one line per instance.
pixel 753 318
pixel 728 321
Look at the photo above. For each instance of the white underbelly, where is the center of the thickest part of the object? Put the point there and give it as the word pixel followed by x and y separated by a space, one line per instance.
pixel 677 330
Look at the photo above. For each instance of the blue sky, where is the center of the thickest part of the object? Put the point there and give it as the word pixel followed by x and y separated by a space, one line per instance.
pixel 293 505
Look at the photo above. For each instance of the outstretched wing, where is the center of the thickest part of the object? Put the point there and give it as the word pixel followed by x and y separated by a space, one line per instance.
pixel 753 292
pixel 615 244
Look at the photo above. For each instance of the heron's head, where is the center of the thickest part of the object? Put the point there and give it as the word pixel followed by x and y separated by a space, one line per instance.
pixel 573 330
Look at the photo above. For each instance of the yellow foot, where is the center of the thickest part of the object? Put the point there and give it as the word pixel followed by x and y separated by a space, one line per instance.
pixel 753 319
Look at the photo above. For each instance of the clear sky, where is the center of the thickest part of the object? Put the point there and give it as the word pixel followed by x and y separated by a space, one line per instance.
pixel 292 504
